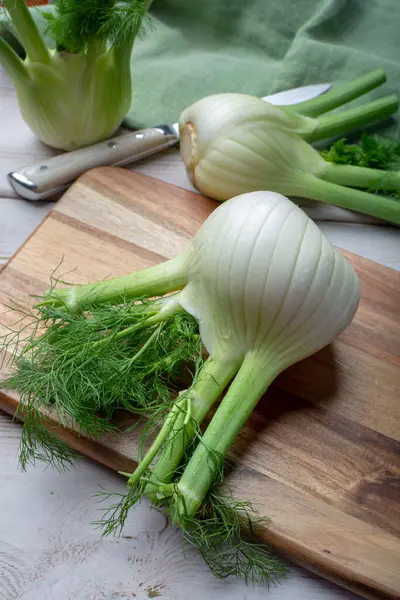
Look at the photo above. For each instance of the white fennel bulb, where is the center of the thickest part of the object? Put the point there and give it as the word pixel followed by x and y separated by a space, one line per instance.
pixel 232 144
pixel 263 279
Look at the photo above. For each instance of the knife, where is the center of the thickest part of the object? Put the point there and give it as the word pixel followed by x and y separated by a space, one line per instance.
pixel 47 178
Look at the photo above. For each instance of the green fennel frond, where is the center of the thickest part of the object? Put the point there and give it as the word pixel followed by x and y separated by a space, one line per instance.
pixel 114 516
pixel 84 367
pixel 224 528
pixel 75 25
pixel 38 443
pixel 221 533
pixel 377 152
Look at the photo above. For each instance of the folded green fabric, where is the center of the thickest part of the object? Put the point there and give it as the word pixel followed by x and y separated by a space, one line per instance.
pixel 200 47
pixel 258 47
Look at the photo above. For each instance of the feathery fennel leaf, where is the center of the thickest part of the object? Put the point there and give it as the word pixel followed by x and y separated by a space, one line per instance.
pixel 76 24
pixel 85 366
pixel 377 152
pixel 223 530
pixel 222 534
pixel 38 443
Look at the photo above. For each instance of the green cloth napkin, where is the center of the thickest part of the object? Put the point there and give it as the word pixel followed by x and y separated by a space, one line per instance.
pixel 200 47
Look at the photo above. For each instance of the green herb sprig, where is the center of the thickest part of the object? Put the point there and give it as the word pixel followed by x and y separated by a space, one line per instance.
pixel 65 94
pixel 376 152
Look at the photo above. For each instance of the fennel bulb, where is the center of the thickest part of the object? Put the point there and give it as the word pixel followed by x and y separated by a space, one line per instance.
pixel 230 149
pixel 79 93
pixel 266 289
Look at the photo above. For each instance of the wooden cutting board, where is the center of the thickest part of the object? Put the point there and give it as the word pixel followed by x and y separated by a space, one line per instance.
pixel 321 454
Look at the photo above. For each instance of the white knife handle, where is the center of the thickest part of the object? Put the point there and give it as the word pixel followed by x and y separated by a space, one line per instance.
pixel 55 174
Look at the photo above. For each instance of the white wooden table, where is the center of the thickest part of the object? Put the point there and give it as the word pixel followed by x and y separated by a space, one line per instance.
pixel 48 548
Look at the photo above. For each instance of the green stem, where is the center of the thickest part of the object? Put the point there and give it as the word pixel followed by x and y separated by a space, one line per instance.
pixel 122 52
pixel 352 199
pixel 249 385
pixel 12 63
pixel 129 330
pixel 341 94
pixel 163 490
pixel 212 379
pixel 360 116
pixel 158 442
pixel 166 277
pixel 143 349
pixel 28 31
pixel 361 177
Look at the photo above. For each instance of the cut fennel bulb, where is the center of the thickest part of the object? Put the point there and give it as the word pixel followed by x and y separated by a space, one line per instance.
pixel 230 149
pixel 79 93
pixel 265 288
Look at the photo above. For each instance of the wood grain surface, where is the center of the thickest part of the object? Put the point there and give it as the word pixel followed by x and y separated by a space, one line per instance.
pixel 321 454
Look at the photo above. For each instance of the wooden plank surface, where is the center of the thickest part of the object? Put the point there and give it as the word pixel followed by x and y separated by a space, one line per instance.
pixel 321 454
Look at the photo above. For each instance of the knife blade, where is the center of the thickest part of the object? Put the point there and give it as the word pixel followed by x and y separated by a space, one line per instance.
pixel 49 177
